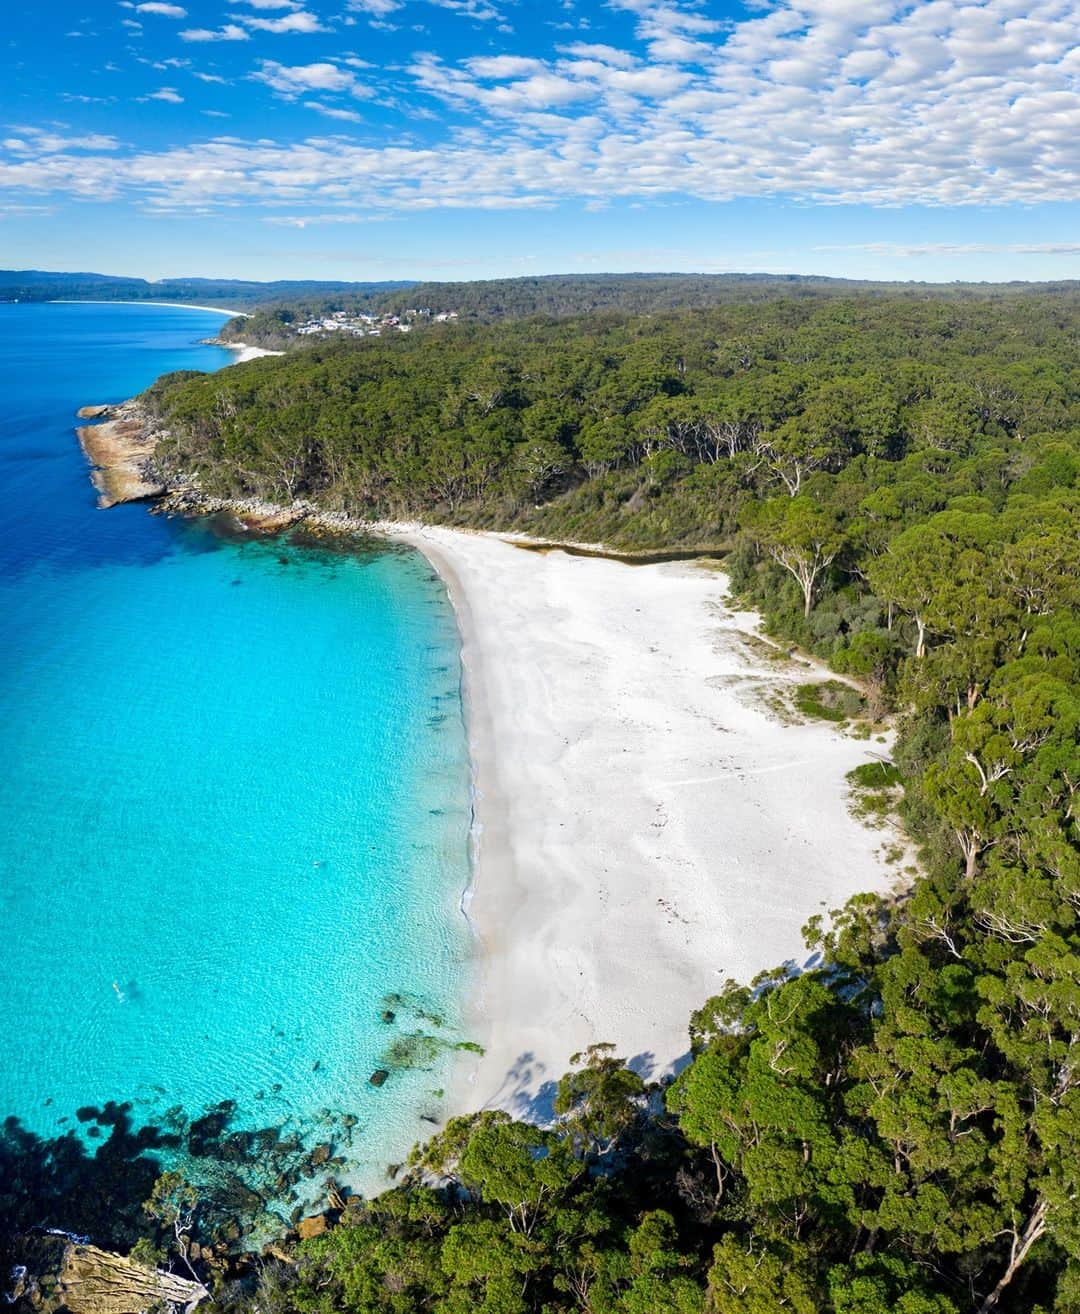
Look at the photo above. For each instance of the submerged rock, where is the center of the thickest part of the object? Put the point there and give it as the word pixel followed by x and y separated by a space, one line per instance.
pixel 378 1077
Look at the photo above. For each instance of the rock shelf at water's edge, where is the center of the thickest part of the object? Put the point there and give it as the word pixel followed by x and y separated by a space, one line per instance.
pixel 121 450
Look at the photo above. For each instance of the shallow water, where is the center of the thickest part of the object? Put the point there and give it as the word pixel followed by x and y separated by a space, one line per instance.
pixel 235 793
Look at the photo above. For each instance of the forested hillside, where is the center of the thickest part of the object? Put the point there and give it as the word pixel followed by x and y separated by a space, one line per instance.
pixel 231 293
pixel 898 482
pixel 580 294
pixel 487 301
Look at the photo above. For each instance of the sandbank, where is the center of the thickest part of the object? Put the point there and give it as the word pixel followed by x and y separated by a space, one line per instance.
pixel 646 826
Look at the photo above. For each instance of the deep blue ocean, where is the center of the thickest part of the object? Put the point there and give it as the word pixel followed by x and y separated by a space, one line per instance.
pixel 235 789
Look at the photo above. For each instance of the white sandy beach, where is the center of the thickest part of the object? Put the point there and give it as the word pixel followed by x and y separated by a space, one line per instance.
pixel 172 305
pixel 245 352
pixel 646 827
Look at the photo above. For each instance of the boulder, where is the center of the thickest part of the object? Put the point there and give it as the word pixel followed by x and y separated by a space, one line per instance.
pixel 311 1227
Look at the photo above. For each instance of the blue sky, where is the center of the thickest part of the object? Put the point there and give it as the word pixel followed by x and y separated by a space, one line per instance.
pixel 371 139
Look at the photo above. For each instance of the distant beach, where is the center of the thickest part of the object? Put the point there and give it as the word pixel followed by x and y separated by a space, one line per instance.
pixel 171 305
pixel 646 827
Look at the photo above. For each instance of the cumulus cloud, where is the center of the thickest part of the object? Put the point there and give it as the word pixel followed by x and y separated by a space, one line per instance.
pixel 168 94
pixel 299 21
pixel 334 112
pixel 166 11
pixel 604 54
pixel 294 81
pixel 230 32
pixel 879 102
pixel 31 141
pixel 481 11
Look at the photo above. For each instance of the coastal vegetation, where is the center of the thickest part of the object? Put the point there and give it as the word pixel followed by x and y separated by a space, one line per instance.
pixel 896 483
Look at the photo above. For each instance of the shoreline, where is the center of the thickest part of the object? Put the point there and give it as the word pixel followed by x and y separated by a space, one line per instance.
pixel 644 824
pixel 172 305
pixel 616 922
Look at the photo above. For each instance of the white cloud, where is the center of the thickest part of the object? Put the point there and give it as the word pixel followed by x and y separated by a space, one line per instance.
pixel 293 81
pixel 169 94
pixel 272 4
pixel 333 112
pixel 863 102
pixel 32 141
pixel 166 11
pixel 603 54
pixel 479 10
pixel 229 32
pixel 301 21
pixel 210 77
pixel 503 66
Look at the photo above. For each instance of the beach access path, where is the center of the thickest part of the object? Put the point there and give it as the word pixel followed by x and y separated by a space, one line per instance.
pixel 646 825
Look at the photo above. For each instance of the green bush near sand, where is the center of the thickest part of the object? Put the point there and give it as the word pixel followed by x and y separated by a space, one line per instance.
pixel 829 701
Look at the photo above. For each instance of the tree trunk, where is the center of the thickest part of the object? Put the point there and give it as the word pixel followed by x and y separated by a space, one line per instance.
pixel 1021 1245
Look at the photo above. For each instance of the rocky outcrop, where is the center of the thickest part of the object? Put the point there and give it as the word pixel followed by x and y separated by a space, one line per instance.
pixel 121 450
pixel 308 1228
pixel 64 1273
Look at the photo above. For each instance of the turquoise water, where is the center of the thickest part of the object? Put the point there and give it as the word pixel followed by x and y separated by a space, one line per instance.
pixel 235 788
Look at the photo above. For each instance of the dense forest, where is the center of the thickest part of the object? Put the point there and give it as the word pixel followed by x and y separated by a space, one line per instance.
pixel 897 484
pixel 565 295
